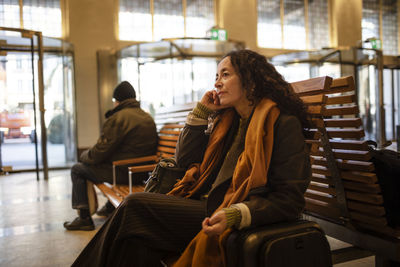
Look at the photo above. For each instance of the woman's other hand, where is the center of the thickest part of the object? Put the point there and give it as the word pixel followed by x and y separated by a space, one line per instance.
pixel 215 225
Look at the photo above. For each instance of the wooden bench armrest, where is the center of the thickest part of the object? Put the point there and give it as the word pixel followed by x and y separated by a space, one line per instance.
pixel 135 160
pixel 138 169
pixel 138 160
pixel 143 168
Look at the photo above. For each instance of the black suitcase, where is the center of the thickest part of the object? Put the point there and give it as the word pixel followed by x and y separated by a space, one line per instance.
pixel 300 244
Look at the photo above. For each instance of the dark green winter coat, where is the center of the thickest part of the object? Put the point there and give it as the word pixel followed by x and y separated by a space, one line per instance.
pixel 128 132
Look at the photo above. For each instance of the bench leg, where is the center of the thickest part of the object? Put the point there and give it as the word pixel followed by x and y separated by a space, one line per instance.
pixel 382 262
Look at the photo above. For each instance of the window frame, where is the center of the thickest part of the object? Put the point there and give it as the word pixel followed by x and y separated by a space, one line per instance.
pixel 184 15
pixel 380 18
pixel 63 9
pixel 306 25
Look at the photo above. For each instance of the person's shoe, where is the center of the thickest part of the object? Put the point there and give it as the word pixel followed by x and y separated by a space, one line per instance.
pixel 80 224
pixel 106 210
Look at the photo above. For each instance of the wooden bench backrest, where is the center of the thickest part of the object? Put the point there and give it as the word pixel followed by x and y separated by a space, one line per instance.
pixel 356 197
pixel 170 122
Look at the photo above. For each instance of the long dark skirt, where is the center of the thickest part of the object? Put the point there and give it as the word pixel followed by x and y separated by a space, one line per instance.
pixel 144 229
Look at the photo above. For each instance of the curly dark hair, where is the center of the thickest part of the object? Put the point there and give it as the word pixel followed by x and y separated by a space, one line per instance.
pixel 261 80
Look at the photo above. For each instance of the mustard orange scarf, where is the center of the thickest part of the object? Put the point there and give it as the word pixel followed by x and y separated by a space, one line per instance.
pixel 250 172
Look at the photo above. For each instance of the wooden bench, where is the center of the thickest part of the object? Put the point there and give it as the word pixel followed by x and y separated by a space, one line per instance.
pixel 169 122
pixel 344 196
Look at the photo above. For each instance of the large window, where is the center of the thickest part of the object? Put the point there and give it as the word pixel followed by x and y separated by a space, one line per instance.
pixel 293 24
pixel 37 15
pixel 380 21
pixel 152 20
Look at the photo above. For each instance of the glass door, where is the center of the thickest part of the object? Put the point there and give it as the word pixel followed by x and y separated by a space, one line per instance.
pixel 37 103
pixel 19 151
pixel 60 112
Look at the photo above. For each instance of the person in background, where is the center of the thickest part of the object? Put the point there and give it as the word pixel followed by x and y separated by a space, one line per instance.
pixel 128 132
pixel 247 165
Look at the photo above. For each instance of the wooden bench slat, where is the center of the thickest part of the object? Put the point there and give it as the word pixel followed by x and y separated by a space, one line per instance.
pixel 343 81
pixel 318 194
pixel 346 154
pixel 124 189
pixel 318 169
pixel 378 221
pixel 313 85
pixel 168 137
pixel 167 143
pixel 325 209
pixel 120 191
pixel 167 149
pixel 352 154
pixel 111 195
pixel 340 89
pixel 135 160
pixel 345 133
pixel 351 165
pixel 314 99
pixel 169 132
pixel 349 185
pixel 362 187
pixel 367 209
pixel 349 144
pixel 362 177
pixel 343 99
pixel 355 165
pixel 326 190
pixel 319 197
pixel 343 122
pixel 322 180
pixel 343 144
pixel 142 168
pixel 367 198
pixel 340 111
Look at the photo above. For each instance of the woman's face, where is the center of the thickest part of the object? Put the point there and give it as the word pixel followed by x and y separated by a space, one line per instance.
pixel 228 85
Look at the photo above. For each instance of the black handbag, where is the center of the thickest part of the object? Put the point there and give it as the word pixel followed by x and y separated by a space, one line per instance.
pixel 164 176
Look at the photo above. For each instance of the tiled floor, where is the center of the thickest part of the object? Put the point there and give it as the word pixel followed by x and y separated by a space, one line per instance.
pixel 31 218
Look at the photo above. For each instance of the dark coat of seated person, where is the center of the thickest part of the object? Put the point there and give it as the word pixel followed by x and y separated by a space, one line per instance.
pixel 247 165
pixel 128 132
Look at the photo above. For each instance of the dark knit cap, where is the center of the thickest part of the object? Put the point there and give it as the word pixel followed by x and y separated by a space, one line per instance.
pixel 124 91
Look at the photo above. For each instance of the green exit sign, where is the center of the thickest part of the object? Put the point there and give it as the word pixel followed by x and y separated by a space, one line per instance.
pixel 219 34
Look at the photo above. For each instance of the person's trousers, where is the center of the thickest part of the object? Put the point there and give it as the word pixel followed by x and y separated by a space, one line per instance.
pixel 145 228
pixel 80 173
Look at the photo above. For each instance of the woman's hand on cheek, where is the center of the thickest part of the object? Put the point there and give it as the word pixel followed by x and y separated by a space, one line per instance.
pixel 215 225
pixel 211 100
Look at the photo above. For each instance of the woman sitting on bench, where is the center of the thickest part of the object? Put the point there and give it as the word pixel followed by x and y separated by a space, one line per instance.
pixel 249 167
